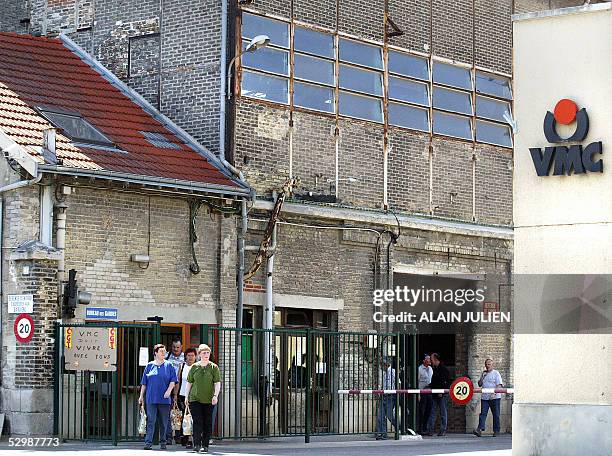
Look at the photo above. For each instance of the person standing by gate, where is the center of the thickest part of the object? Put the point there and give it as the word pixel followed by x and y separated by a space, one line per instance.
pixel 176 358
pixel 425 374
pixel 157 384
pixel 439 380
pixel 490 378
pixel 386 409
pixel 201 395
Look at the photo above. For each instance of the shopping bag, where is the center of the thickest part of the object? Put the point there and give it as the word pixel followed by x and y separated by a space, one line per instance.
pixel 142 424
pixel 176 417
pixel 187 422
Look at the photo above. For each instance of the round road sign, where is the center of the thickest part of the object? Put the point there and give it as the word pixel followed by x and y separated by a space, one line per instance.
pixel 462 390
pixel 24 328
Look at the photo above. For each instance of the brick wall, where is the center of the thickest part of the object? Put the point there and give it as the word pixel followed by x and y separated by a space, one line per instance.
pixel 13 13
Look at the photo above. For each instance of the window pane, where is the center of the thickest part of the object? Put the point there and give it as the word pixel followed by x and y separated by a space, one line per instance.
pixel 267 59
pixel 76 127
pixel 493 85
pixel 313 97
pixel 360 107
pixel 313 42
pixel 405 90
pixel 313 69
pixel 448 124
pixel 360 80
pixel 452 75
pixel 451 100
pixel 493 133
pixel 264 87
pixel 362 54
pixel 408 65
pixel 256 25
pixel 491 109
pixel 408 116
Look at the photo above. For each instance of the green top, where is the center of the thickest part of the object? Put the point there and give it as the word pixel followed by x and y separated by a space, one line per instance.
pixel 202 381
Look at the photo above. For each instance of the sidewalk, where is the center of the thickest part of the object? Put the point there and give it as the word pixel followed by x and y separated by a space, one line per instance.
pixel 455 444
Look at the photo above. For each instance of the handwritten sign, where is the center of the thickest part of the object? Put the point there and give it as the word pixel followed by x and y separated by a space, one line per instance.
pixel 18 304
pixel 93 349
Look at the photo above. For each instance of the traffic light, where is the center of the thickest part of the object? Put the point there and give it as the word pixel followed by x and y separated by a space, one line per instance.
pixel 72 295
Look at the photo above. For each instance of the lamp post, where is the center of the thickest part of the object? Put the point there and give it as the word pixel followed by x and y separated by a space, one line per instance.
pixel 260 41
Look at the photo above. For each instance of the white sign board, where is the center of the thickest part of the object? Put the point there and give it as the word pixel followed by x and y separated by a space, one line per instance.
pixel 143 356
pixel 20 304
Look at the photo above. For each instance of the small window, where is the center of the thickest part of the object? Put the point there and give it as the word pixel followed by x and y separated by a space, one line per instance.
pixel 159 140
pixel 491 109
pixel 408 117
pixel 451 125
pixel 365 81
pixel 256 25
pixel 493 85
pixel 408 65
pixel 77 128
pixel 267 59
pixel 313 97
pixel 265 87
pixel 313 69
pixel 493 133
pixel 410 91
pixel 361 54
pixel 451 75
pixel 452 100
pixel 312 42
pixel 366 108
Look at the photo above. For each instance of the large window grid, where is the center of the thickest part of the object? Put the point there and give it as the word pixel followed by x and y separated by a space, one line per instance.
pixel 336 74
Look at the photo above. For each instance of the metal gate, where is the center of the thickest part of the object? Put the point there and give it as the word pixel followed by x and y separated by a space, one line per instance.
pixel 286 381
pixel 101 404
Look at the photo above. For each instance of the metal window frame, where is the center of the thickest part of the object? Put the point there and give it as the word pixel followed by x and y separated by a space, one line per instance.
pixel 443 61
pixel 495 100
pixel 329 61
pixel 277 49
pixel 362 43
pixel 497 76
pixel 425 59
pixel 312 29
pixel 410 105
pixel 497 124
pixel 326 87
pixel 380 75
pixel 469 118
pixel 415 81
pixel 270 18
pixel 359 94
pixel 269 75
pixel 45 110
pixel 448 89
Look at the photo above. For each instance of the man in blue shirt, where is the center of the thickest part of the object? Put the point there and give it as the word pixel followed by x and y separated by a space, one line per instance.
pixel 386 408
pixel 157 382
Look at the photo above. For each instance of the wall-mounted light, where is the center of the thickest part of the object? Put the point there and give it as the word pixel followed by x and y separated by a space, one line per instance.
pixel 140 259
pixel 260 41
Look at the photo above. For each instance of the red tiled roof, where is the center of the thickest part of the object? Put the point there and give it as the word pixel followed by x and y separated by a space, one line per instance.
pixel 43 72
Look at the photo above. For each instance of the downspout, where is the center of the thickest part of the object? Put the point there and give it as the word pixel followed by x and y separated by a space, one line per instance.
pixel 269 314
pixel 223 86
pixel 239 308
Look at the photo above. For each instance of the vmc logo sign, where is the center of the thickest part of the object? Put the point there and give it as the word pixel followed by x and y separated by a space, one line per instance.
pixel 570 157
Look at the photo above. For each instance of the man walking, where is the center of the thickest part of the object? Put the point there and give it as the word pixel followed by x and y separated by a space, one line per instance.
pixel 490 378
pixel 440 379
pixel 386 409
pixel 424 379
pixel 176 358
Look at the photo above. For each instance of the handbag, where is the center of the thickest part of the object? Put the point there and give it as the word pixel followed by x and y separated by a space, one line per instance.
pixel 176 417
pixel 187 422
pixel 142 423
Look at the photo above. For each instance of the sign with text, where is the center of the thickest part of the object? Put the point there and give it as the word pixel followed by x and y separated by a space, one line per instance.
pixel 18 304
pixel 100 313
pixel 91 348
pixel 23 328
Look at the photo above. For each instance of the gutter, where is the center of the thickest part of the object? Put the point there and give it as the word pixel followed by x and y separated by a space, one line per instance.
pixel 189 186
pixel 150 109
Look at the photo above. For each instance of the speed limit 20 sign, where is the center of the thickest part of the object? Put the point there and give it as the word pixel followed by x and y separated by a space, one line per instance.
pixel 462 390
pixel 24 328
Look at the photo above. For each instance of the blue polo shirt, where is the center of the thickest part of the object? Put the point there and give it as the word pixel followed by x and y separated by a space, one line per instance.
pixel 157 379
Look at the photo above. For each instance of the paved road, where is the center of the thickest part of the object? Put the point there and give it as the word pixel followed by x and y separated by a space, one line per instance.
pixel 456 445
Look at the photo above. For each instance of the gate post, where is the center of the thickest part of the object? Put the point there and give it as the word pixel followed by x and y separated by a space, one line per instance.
pixel 397 386
pixel 56 376
pixel 114 409
pixel 309 352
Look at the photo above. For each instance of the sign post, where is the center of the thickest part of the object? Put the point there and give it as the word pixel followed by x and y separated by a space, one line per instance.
pixel 462 390
pixel 23 328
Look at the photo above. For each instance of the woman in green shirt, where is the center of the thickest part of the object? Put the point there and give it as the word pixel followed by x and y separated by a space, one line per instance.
pixel 201 395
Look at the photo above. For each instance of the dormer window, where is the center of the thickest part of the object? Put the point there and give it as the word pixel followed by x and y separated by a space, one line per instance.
pixel 75 127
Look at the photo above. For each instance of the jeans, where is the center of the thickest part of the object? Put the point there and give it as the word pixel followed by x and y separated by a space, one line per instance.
pixel 386 411
pixel 441 403
pixel 202 423
pixel 159 413
pixel 425 401
pixel 495 405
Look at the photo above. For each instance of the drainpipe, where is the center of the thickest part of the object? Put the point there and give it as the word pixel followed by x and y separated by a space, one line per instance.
pixel 239 307
pixel 268 319
pixel 223 75
pixel 61 242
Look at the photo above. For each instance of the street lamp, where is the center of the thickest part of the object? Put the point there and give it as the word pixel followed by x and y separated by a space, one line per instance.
pixel 260 41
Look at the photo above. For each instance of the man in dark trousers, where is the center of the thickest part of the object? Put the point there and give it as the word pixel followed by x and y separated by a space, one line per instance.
pixel 439 380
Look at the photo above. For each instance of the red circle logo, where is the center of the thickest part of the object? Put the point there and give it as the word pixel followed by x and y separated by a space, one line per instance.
pixel 565 111
pixel 23 328
pixel 461 391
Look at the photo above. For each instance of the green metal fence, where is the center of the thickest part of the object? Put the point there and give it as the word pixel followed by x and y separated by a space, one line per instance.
pixel 275 383
pixel 101 405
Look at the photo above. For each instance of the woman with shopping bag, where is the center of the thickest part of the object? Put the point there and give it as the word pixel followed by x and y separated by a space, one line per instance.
pixel 201 395
pixel 179 391
pixel 157 384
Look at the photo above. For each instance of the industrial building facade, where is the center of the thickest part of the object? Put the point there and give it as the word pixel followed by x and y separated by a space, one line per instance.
pixel 390 114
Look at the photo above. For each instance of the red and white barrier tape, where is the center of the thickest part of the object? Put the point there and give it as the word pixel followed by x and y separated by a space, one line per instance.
pixel 424 391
